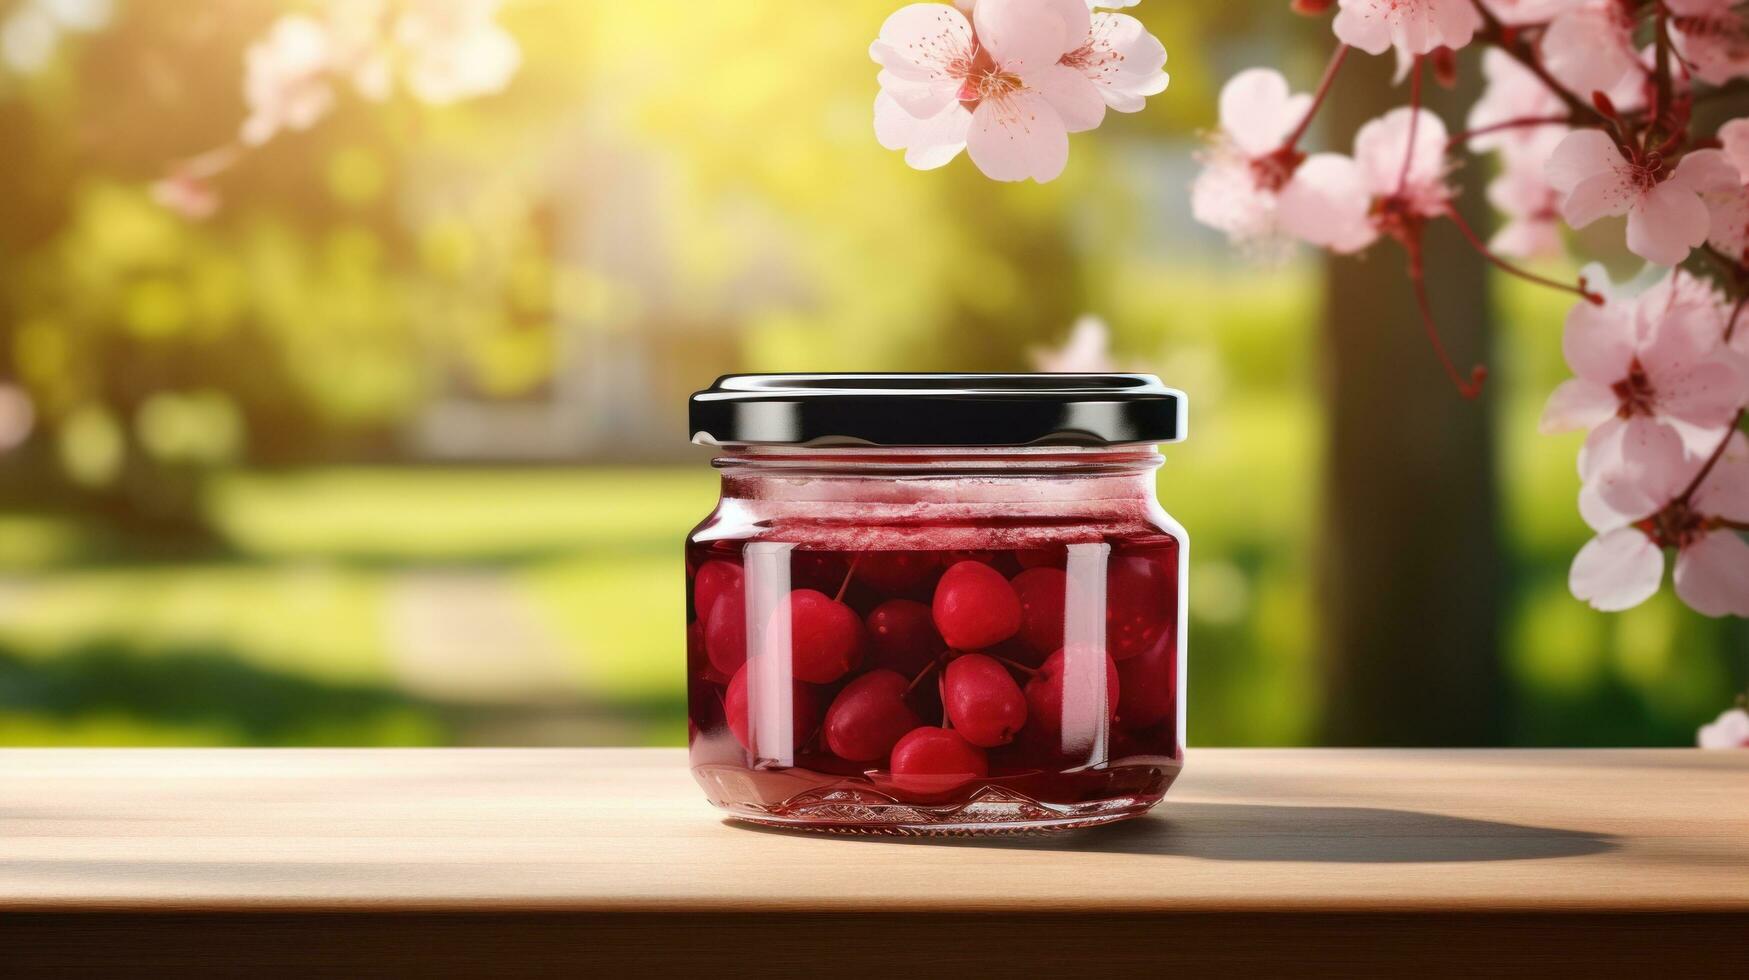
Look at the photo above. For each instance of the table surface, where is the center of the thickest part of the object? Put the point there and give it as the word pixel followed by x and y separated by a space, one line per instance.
pixel 621 830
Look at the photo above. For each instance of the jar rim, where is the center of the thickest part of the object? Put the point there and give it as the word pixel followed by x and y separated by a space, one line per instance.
pixel 922 410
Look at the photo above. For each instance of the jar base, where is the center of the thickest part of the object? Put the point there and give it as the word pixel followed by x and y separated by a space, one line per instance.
pixel 989 810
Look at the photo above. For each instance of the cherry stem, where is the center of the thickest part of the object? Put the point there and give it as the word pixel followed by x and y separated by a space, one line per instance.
pixel 1323 90
pixel 1713 460
pixel 1013 665
pixel 1478 374
pixel 931 665
pixel 1414 123
pixel 848 572
pixel 1521 122
pixel 1734 525
pixel 1736 311
pixel 1481 248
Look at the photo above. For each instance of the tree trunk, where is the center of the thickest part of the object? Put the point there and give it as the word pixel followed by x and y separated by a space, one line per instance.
pixel 1411 565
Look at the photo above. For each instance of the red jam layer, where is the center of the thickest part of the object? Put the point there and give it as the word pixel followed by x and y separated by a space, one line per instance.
pixel 935 686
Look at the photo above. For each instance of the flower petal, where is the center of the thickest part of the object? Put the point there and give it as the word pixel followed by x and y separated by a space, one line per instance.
pixel 1577 404
pixel 1598 341
pixel 1712 575
pixel 1017 136
pixel 1072 94
pixel 928 143
pixel 1258 110
pixel 1617 570
pixel 1023 35
pixel 1326 203
pixel 1725 491
pixel 1583 154
pixel 1706 170
pixel 1665 223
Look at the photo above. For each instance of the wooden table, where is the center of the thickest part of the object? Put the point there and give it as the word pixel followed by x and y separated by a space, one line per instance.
pixel 528 861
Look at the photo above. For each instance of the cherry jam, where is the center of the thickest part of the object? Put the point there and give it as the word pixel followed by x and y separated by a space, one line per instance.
pixel 953 638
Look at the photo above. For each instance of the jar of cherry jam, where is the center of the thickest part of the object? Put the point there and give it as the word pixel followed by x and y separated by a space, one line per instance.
pixel 936 603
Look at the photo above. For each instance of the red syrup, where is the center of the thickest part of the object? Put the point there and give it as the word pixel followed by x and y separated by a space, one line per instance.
pixel 1069 706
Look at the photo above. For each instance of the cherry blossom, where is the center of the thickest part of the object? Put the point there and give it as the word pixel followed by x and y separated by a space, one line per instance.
pixel 455 49
pixel 1730 730
pixel 1589 47
pixel 1624 565
pixel 1122 60
pixel 1413 27
pixel 1666 216
pixel 1005 68
pixel 1728 206
pixel 1336 201
pixel 1653 360
pixel 1245 166
pixel 286 82
pixel 1712 36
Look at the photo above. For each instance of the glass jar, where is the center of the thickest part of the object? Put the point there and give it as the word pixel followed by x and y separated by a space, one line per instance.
pixel 936 603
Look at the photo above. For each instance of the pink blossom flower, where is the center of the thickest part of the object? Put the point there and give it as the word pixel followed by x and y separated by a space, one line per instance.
pixel 1639 361
pixel 1513 93
pixel 1730 730
pixel 1712 36
pixel 1022 102
pixel 455 50
pixel 1666 217
pixel 1589 47
pixel 1245 169
pixel 1123 61
pixel 1413 27
pixel 285 80
pixel 1522 193
pixel 1338 202
pixel 1086 351
pixel 1624 564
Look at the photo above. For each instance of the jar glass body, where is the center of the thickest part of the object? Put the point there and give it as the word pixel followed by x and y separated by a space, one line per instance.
pixel 910 640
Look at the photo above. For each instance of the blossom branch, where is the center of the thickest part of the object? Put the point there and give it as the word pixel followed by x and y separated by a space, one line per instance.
pixel 1711 461
pixel 1318 97
pixel 1495 33
pixel 1522 122
pixel 1479 373
pixel 1595 299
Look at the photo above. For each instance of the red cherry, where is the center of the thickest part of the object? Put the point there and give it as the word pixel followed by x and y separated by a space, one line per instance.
pixel 1140 596
pixel 1148 682
pixel 804 711
pixel 983 702
pixel 825 637
pixel 700 661
pixel 1044 695
pixel 714 580
pixel 868 716
pixel 725 633
pixel 896 572
pixel 902 635
pixel 975 607
pixel 1041 591
pixel 935 760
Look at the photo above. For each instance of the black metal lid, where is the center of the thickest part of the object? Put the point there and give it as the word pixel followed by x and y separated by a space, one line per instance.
pixel 936 410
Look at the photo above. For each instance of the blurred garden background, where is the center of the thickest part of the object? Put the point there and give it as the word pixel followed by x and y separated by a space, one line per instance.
pixel 380 438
